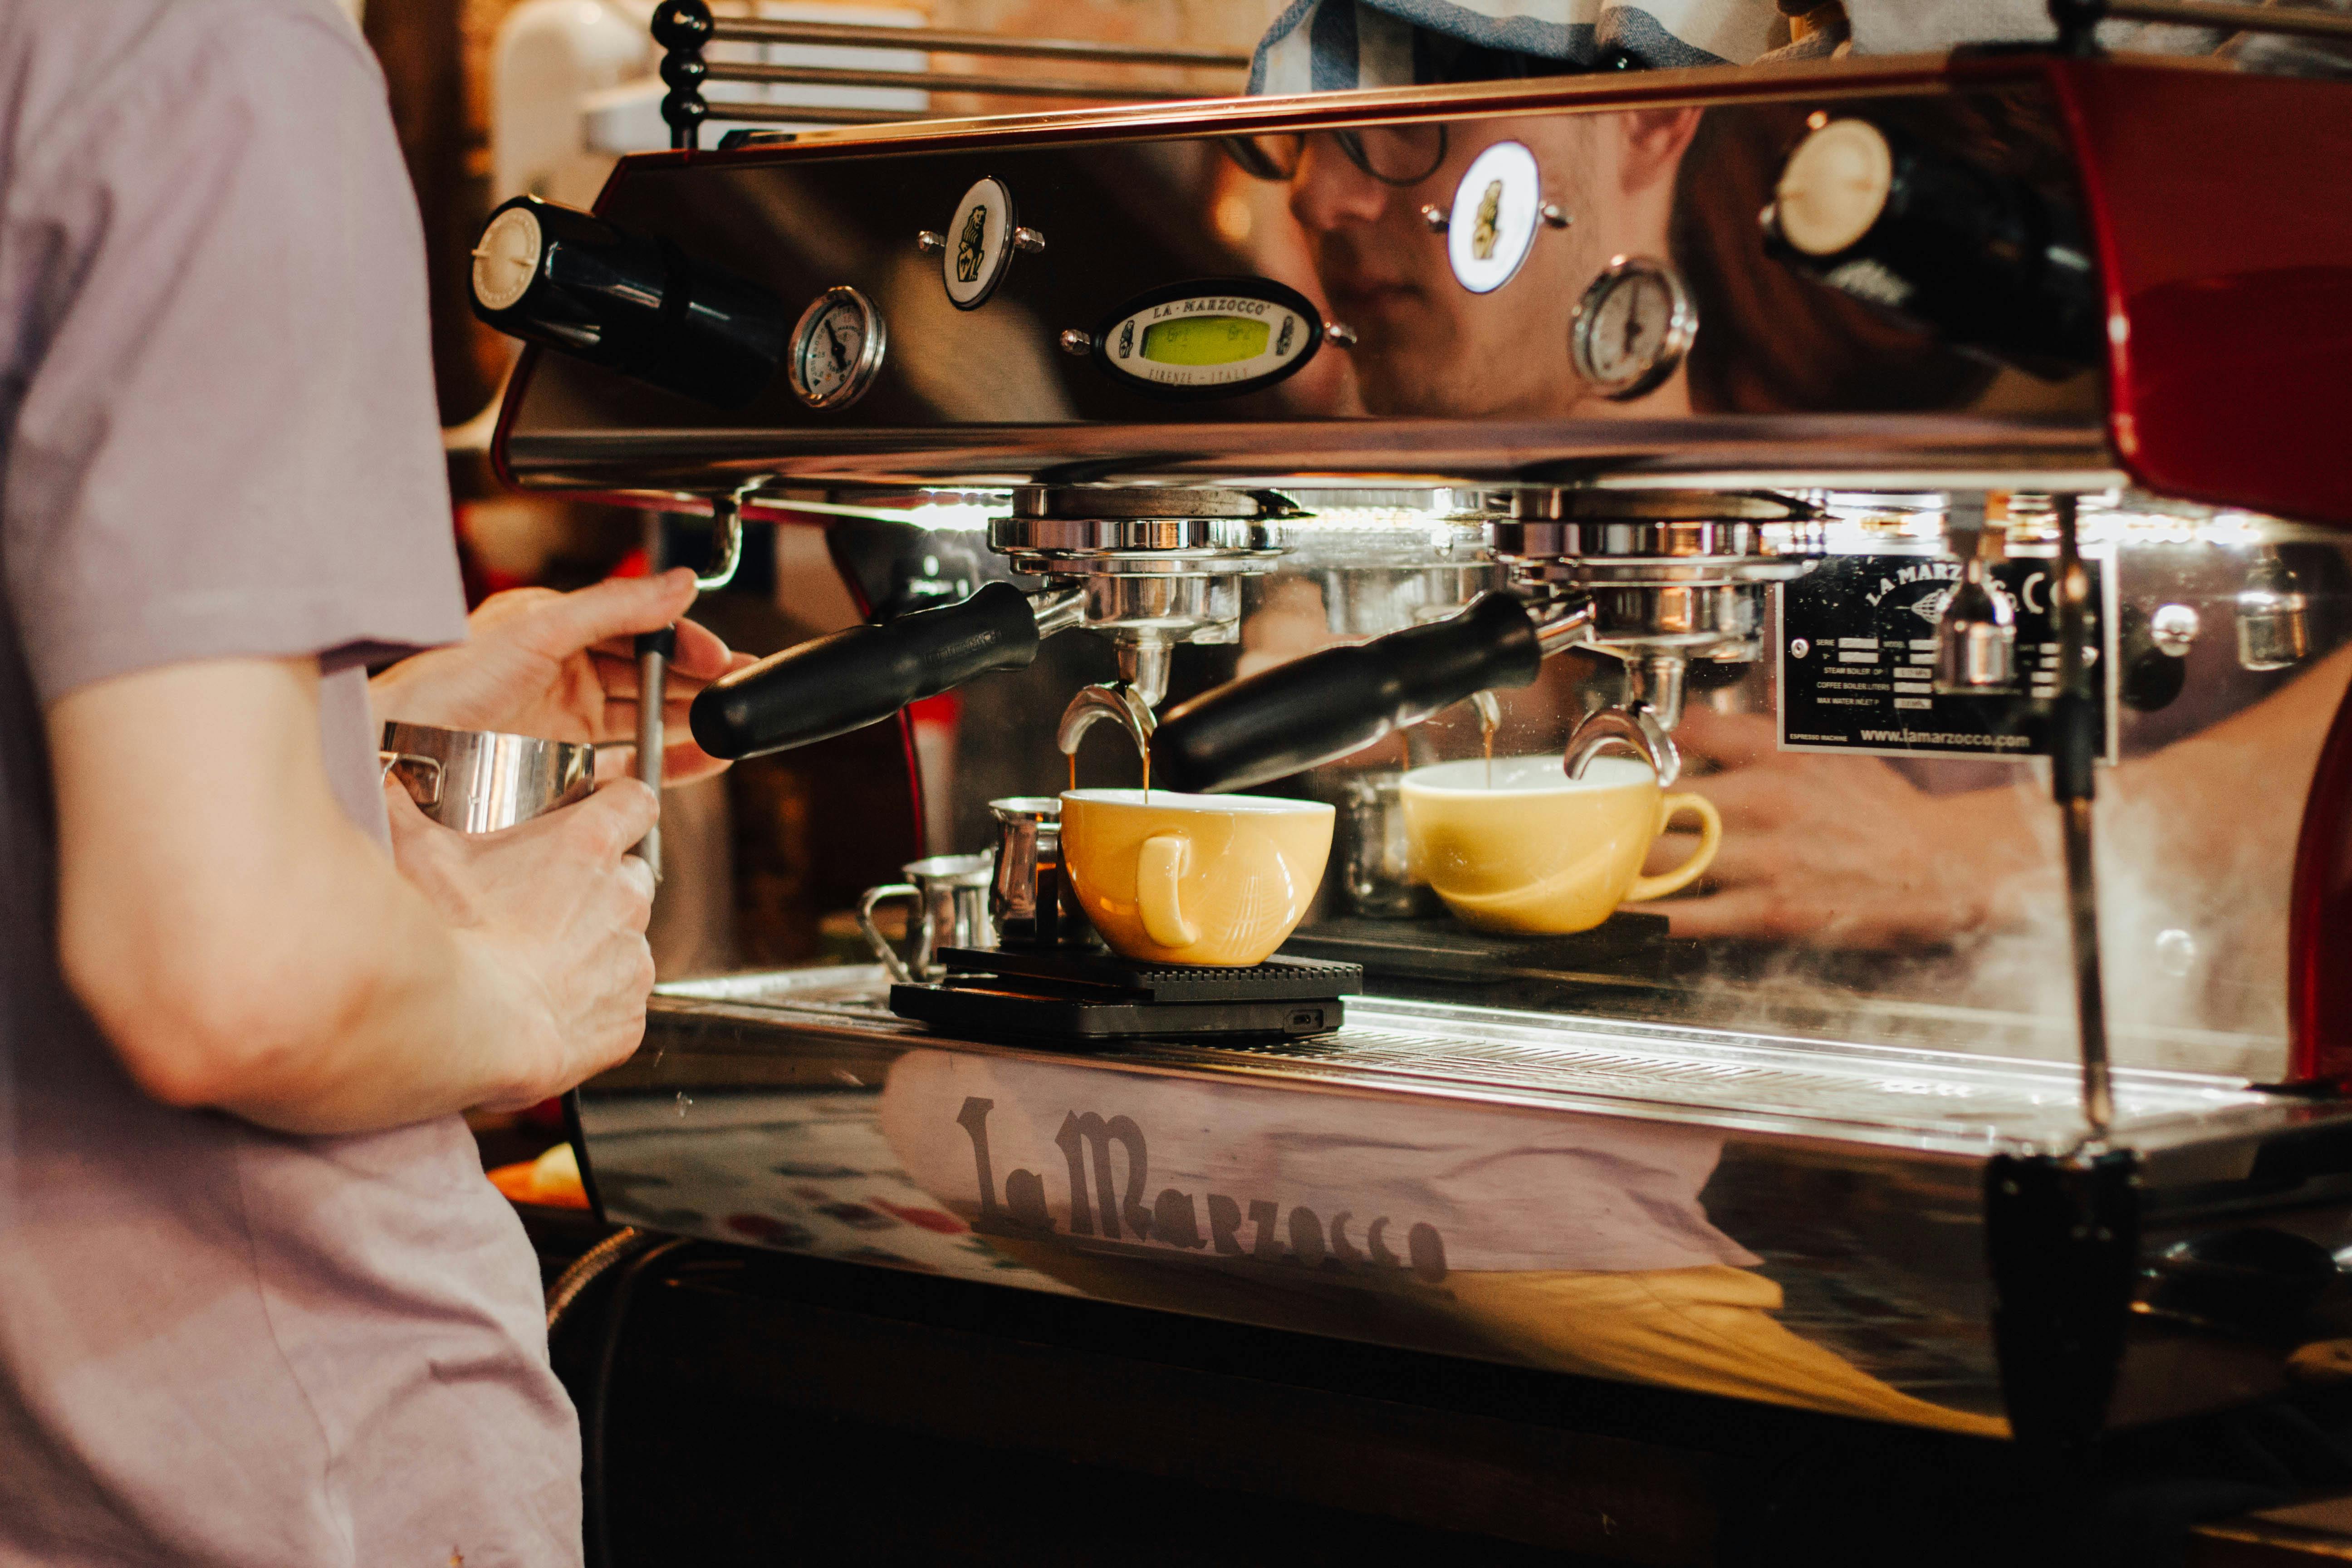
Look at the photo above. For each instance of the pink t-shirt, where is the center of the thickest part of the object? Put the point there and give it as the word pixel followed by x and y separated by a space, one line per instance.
pixel 220 1344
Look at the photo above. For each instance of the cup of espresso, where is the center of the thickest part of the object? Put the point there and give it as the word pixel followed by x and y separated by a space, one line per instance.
pixel 1539 852
pixel 1194 878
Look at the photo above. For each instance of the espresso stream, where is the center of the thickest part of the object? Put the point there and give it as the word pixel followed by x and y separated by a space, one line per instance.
pixel 1147 772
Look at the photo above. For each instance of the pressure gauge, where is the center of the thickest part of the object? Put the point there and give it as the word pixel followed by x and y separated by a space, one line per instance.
pixel 1217 337
pixel 1632 328
pixel 837 349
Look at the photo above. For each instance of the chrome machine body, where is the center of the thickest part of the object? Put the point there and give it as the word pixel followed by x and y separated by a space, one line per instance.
pixel 2050 521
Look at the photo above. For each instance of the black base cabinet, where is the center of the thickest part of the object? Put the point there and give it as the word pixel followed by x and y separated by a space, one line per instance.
pixel 754 1408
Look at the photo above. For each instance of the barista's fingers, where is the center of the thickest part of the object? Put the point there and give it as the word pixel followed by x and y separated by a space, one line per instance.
pixel 1756 798
pixel 700 656
pixel 1752 860
pixel 615 607
pixel 1758 913
pixel 1728 740
pixel 702 659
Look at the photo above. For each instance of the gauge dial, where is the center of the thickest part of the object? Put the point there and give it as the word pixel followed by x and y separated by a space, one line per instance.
pixel 836 349
pixel 506 260
pixel 1632 327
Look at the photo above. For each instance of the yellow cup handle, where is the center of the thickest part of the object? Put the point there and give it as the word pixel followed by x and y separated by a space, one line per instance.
pixel 1710 839
pixel 1157 868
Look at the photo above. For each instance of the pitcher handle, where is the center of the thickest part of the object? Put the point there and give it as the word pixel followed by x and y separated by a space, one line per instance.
pixel 1158 867
pixel 897 966
pixel 388 760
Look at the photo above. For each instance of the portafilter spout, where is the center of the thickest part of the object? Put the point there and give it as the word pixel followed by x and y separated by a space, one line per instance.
pixel 1117 701
pixel 1633 728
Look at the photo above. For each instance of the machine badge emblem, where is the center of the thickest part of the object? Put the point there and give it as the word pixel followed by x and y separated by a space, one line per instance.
pixel 505 262
pixel 971 244
pixel 1490 213
pixel 1215 337
pixel 1632 328
pixel 1496 209
pixel 973 262
pixel 836 349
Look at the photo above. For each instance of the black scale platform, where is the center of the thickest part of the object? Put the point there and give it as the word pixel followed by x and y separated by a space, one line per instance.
pixel 1628 944
pixel 1086 996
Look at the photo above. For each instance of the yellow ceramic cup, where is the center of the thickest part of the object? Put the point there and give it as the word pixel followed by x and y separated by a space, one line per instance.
pixel 1194 878
pixel 1543 852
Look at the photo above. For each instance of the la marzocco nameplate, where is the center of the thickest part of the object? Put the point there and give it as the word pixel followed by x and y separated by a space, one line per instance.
pixel 1857 660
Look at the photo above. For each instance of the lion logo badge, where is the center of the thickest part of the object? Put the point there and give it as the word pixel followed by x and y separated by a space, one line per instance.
pixel 971 245
pixel 1488 228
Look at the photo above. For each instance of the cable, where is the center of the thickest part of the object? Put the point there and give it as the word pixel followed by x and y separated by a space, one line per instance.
pixel 600 1398
pixel 587 1268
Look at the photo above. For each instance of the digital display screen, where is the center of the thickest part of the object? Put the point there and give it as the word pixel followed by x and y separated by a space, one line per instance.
pixel 1204 340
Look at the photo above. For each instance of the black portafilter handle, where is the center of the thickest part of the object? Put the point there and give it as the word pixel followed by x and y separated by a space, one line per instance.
pixel 1320 708
pixel 852 679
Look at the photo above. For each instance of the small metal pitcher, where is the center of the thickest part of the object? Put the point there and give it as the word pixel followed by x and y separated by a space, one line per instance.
pixel 1028 900
pixel 477 780
pixel 1376 856
pixel 950 895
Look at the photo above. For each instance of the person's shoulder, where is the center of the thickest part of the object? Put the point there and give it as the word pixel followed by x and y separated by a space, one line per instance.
pixel 240 38
pixel 75 69
pixel 113 33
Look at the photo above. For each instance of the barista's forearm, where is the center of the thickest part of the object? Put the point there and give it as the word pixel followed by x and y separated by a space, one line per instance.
pixel 241 943
pixel 397 1018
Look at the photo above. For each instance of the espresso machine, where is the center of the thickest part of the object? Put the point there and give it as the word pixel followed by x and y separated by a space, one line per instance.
pixel 1936 460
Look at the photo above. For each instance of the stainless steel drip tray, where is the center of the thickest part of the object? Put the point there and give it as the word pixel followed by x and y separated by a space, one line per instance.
pixel 1932 1101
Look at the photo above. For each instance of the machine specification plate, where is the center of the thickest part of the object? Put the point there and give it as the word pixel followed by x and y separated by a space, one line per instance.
pixel 1857 660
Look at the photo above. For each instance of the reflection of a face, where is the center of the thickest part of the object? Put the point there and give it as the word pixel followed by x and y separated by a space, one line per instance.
pixel 1428 346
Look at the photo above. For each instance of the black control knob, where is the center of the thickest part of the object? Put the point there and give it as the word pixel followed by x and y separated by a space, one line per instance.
pixel 1985 260
pixel 852 679
pixel 574 283
pixel 1320 708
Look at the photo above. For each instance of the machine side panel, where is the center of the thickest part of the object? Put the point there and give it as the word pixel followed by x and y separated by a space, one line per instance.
pixel 2319 916
pixel 2228 286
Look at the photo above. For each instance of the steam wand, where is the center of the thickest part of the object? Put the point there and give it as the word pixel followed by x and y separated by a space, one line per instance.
pixel 655 649
pixel 2076 732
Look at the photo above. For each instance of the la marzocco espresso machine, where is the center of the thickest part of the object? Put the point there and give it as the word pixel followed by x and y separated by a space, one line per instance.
pixel 1939 463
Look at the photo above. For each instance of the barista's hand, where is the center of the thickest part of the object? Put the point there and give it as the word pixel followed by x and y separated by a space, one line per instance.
pixel 560 666
pixel 553 913
pixel 1845 851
